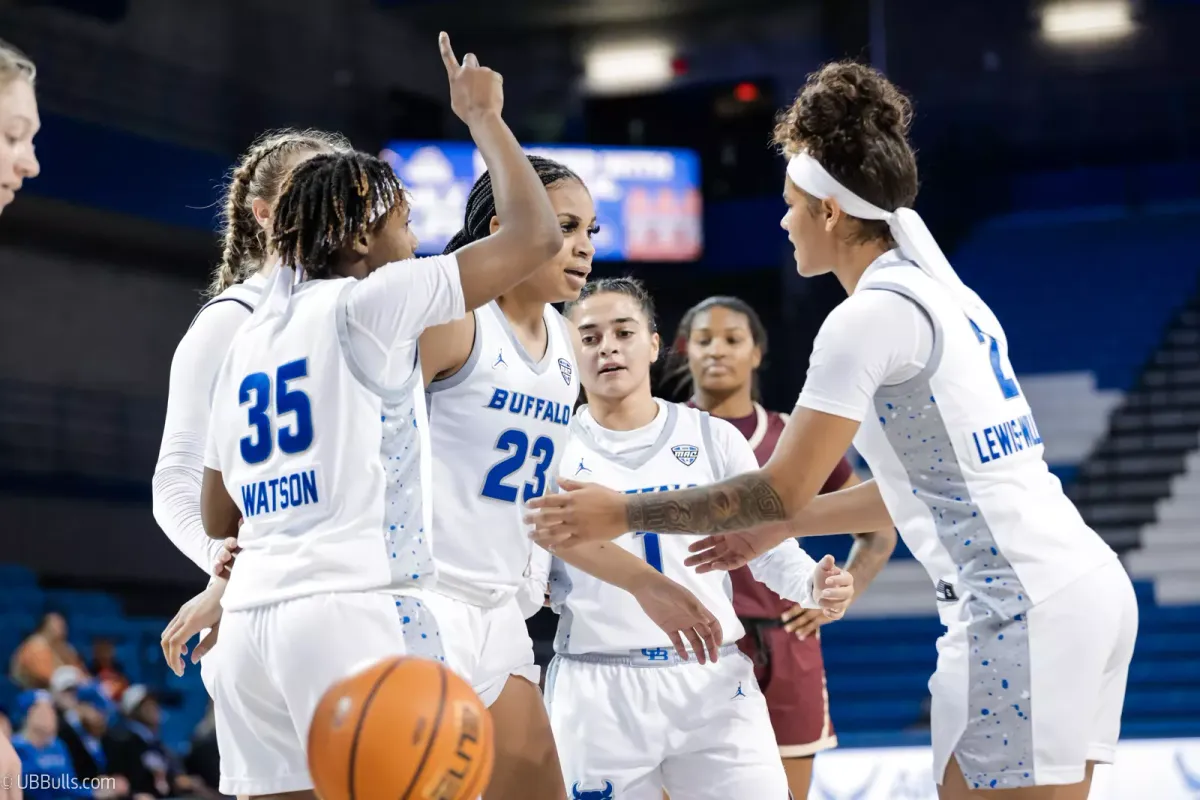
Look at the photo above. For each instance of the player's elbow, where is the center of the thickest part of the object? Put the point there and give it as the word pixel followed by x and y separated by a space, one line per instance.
pixel 159 504
pixel 882 541
pixel 785 488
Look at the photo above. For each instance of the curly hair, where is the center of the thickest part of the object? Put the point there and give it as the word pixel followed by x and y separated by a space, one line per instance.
pixel 855 121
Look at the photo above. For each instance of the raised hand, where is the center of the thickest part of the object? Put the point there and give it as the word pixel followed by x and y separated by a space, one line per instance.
pixel 676 610
pixel 475 91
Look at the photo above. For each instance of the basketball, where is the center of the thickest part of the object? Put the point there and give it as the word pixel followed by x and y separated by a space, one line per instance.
pixel 402 728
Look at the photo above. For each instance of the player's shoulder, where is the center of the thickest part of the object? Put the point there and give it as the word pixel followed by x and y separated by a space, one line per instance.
pixel 723 434
pixel 720 427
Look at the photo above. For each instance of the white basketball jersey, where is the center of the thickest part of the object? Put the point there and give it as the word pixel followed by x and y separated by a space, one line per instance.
pixel 959 462
pixel 498 427
pixel 325 465
pixel 597 617
pixel 245 294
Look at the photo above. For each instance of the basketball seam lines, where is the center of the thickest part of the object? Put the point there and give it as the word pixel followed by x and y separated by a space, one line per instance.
pixel 362 719
pixel 437 723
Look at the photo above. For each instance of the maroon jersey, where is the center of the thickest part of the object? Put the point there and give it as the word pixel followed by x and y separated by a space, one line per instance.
pixel 792 675
pixel 762 429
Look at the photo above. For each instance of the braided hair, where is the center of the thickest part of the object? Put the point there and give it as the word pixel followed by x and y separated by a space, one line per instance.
pixel 327 203
pixel 680 371
pixel 481 202
pixel 259 176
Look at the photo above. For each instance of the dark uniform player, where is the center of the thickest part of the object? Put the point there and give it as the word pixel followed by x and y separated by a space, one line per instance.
pixel 724 342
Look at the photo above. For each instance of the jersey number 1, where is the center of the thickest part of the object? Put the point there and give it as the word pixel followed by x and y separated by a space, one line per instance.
pixel 516 443
pixel 295 439
pixel 999 363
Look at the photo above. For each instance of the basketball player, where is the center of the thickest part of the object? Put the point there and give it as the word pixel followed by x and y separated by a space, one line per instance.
pixel 913 366
pixel 502 385
pixel 707 733
pixel 316 429
pixel 20 122
pixel 723 342
pixel 237 284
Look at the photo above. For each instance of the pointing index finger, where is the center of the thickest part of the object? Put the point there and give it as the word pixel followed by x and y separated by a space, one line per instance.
pixel 448 57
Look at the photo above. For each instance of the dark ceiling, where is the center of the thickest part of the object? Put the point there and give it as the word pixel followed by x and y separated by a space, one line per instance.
pixel 478 15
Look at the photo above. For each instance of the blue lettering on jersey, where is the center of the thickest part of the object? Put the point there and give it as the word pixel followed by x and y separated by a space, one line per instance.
pixel 650 543
pixel 526 405
pixel 278 494
pixel 1011 436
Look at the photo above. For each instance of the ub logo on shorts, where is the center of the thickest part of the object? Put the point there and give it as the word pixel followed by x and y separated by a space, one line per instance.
pixel 686 453
pixel 564 367
pixel 592 794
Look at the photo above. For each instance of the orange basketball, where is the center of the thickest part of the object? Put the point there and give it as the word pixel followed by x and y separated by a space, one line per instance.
pixel 405 728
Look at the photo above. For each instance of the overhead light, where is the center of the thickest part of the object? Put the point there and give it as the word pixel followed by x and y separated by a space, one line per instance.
pixel 1095 20
pixel 746 92
pixel 630 67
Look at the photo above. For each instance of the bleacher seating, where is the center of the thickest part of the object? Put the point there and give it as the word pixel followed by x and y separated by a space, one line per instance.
pixel 100 614
pixel 1122 484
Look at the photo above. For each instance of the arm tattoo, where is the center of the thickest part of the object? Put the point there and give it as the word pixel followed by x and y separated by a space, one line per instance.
pixel 731 505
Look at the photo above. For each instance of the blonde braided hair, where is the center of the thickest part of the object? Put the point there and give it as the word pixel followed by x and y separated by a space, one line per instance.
pixel 260 175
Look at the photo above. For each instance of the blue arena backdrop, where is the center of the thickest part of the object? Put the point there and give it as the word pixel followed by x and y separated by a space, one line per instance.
pixel 647 199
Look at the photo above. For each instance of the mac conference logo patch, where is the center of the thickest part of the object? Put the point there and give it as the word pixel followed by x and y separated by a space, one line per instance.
pixel 564 367
pixel 686 454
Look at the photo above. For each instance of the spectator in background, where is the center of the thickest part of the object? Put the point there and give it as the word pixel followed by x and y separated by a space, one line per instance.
pixel 83 712
pixel 82 730
pixel 134 749
pixel 107 669
pixel 42 652
pixel 49 773
pixel 63 683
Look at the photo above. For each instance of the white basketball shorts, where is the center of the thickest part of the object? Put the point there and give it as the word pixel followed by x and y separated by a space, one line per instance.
pixel 1028 701
pixel 278 660
pixel 629 732
pixel 483 645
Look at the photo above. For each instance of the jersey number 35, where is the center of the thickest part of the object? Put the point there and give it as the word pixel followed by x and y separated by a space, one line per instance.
pixel 292 439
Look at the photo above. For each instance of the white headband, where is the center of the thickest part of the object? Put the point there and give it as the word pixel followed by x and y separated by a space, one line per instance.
pixel 906 225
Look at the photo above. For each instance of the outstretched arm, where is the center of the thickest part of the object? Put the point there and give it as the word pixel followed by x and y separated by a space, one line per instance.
pixel 810 447
pixel 872 339
pixel 873 548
